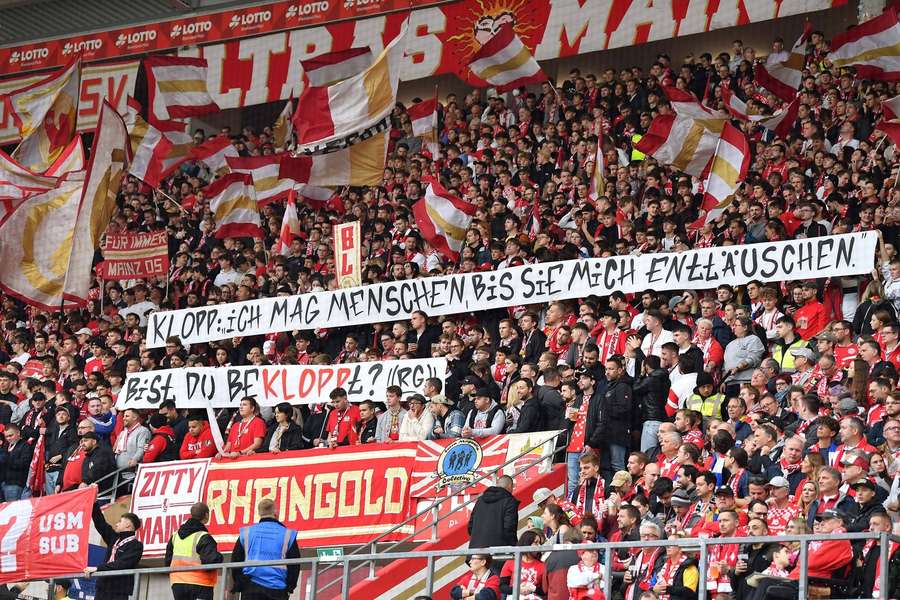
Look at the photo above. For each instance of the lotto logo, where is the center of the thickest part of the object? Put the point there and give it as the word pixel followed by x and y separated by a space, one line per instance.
pixel 250 19
pixel 305 10
pixel 82 46
pixel 190 29
pixel 138 37
pixel 29 55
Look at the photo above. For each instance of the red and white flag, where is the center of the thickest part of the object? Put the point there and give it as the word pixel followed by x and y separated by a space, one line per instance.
pixel 46 113
pixel 14 174
pixel 182 144
pixel 736 107
pixel 872 49
pixel 423 117
pixel 360 164
pixel 332 67
pixel 283 130
pixel 443 218
pixel 232 201
pixel 505 63
pixel 176 87
pixel 890 120
pixel 334 116
pixel 214 153
pixel 264 170
pixel 290 227
pixel 783 77
pixel 726 171
pixel 149 149
pixel 597 186
pixel 316 197
pixel 685 143
pixel 783 120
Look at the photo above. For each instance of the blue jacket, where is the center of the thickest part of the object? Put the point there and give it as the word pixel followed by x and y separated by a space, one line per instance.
pixel 267 540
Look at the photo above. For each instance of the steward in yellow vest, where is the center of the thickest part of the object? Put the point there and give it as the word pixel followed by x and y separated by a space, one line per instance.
pixel 192 545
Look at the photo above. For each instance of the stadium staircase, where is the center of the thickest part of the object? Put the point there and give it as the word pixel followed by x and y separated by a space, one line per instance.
pixel 408 578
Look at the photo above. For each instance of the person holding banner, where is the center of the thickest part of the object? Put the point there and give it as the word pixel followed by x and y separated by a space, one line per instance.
pixel 245 435
pixel 123 553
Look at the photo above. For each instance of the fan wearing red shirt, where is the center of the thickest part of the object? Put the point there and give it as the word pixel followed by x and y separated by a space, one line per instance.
pixel 246 435
pixel 340 425
pixel 198 441
pixel 810 317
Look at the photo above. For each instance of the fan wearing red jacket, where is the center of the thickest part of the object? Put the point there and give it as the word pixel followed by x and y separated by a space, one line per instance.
pixel 198 441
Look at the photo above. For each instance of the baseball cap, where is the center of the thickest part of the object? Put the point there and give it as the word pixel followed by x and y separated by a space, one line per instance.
pixel 441 399
pixel 541 495
pixel 483 392
pixel 84 331
pixel 866 483
pixel 827 336
pixel 851 460
pixel 847 405
pixel 724 490
pixel 472 380
pixel 831 514
pixel 804 352
pixel 674 301
pixel 621 478
pixel 585 373
pixel 779 482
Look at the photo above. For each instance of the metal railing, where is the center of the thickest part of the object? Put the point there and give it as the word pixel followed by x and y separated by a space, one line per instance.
pixel 434 509
pixel 516 552
pixel 110 493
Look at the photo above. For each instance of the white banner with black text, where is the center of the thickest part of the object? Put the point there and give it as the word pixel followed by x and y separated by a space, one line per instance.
pixel 200 387
pixel 832 256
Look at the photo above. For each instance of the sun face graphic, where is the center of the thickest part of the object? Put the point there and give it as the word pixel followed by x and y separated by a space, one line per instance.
pixel 485 17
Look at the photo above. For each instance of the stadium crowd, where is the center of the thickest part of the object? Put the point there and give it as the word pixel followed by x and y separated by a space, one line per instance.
pixel 764 409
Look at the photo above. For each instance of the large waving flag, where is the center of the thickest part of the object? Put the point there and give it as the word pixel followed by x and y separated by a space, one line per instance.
pixel 150 148
pixel 107 167
pixel 182 144
pixel 505 63
pixel 46 113
pixel 283 130
pixel 214 153
pixel 687 139
pixel 726 171
pixel 14 174
pixel 176 87
pixel 890 120
pixel 873 48
pixel 71 159
pixel 423 117
pixel 264 170
pixel 360 164
pixel 783 120
pixel 443 218
pixel 232 201
pixel 783 77
pixel 332 67
pixel 339 115
pixel 37 245
pixel 290 227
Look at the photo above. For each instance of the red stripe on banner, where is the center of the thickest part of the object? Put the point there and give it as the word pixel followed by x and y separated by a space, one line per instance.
pixel 238 230
pixel 497 43
pixel 313 120
pixel 869 72
pixel 884 21
pixel 295 168
pixel 657 134
pixel 676 95
pixel 891 129
pixel 253 162
pixel 154 169
pixel 332 58
pixel 194 110
pixel 210 148
pixel 219 185
pixel 426 227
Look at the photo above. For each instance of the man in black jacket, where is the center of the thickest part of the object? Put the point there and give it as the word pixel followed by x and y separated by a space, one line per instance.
pixel 123 552
pixel 531 417
pixel 17 463
pixel 98 460
pixel 193 585
pixel 57 441
pixel 650 393
pixel 495 517
pixel 615 417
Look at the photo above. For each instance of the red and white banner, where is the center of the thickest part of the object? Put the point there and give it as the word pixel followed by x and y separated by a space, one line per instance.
pixel 871 48
pixel 135 255
pixel 347 253
pixel 45 537
pixel 232 200
pixel 331 497
pixel 163 495
pixel 505 62
pixel 330 68
pixel 442 39
pixel 443 218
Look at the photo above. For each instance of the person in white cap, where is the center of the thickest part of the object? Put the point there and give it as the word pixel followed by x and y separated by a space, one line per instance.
pixel 781 509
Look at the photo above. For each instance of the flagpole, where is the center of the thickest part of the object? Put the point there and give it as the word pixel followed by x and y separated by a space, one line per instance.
pixel 171 199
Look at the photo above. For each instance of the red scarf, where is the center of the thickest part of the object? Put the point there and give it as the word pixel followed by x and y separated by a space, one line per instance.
pixel 668 573
pixel 597 499
pixel 788 468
